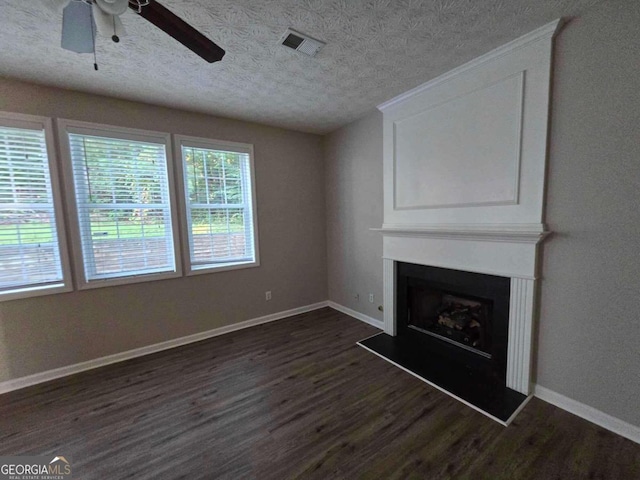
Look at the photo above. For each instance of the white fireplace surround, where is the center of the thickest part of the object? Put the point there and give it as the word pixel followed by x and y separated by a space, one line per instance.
pixel 464 173
pixel 486 255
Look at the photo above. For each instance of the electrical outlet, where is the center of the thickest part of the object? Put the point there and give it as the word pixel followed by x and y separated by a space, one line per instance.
pixel 371 298
pixel 267 295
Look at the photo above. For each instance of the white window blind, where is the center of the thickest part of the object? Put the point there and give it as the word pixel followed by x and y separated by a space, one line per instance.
pixel 29 242
pixel 219 205
pixel 123 206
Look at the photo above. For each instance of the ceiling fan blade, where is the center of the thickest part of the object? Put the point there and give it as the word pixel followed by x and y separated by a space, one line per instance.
pixel 78 29
pixel 174 26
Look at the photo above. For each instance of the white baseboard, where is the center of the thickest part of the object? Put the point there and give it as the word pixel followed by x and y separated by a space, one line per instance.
pixel 15 384
pixel 360 316
pixel 591 414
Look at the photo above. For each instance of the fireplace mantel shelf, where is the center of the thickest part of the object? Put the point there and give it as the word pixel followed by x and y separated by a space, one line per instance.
pixel 511 233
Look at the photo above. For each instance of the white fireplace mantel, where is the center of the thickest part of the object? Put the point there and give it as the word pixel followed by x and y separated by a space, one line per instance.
pixel 516 233
pixel 464 179
pixel 479 256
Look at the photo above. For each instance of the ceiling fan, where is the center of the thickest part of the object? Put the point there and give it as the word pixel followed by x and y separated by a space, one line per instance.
pixel 81 19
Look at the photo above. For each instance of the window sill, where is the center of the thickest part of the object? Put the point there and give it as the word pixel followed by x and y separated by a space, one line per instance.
pixel 222 267
pixel 38 291
pixel 112 282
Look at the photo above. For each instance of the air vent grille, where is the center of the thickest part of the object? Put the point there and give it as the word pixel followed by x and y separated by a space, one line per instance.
pixel 293 41
pixel 302 43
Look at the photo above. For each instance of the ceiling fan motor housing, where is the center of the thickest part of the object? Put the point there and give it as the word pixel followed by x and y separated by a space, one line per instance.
pixel 113 7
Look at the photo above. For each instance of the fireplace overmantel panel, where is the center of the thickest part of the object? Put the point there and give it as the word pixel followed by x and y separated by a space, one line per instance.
pixel 470 147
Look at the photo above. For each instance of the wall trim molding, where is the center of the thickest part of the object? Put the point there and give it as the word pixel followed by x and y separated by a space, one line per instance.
pixel 519 351
pixel 593 415
pixel 29 380
pixel 389 291
pixel 525 233
pixel 546 31
pixel 586 412
pixel 575 407
pixel 357 315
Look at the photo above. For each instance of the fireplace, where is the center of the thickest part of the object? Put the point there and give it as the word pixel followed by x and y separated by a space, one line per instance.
pixel 452 330
pixel 462 317
pixel 464 161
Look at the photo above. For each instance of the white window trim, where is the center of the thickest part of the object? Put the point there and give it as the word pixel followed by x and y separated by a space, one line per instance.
pixel 17 120
pixel 207 143
pixel 65 127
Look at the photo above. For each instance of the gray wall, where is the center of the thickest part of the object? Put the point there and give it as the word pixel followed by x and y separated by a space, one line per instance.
pixel 353 157
pixel 589 337
pixel 43 333
pixel 589 330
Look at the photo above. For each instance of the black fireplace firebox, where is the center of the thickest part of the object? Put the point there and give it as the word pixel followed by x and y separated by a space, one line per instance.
pixel 458 317
pixel 452 330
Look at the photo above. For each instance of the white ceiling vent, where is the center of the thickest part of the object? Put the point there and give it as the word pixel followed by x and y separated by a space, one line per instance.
pixel 302 43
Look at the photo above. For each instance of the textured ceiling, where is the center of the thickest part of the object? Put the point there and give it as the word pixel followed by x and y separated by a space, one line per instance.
pixel 376 49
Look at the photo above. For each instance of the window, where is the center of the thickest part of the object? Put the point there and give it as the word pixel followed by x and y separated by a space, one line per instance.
pixel 218 204
pixel 124 230
pixel 121 206
pixel 33 256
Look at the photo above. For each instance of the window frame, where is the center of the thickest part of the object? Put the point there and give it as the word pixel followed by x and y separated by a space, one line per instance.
pixel 35 122
pixel 212 144
pixel 65 127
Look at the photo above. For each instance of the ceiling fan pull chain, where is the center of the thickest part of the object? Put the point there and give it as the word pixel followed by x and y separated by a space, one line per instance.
pixel 115 37
pixel 93 39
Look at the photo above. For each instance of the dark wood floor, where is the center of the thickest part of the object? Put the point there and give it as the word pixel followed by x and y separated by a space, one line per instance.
pixel 292 399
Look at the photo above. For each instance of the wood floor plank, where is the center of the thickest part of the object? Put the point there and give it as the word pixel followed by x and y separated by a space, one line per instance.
pixel 292 399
